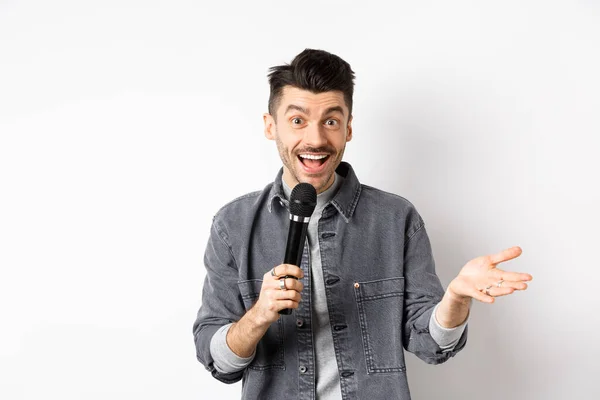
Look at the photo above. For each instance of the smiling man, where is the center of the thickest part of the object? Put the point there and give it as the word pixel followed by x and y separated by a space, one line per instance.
pixel 366 289
pixel 312 135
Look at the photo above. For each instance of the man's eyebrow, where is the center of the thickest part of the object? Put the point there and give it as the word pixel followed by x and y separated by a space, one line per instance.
pixel 297 108
pixel 330 110
pixel 334 109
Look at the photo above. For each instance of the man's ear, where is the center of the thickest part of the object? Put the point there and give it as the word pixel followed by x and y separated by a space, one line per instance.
pixel 270 128
pixel 349 128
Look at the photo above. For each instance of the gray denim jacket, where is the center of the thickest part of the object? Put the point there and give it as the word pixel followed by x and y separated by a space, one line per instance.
pixel 380 283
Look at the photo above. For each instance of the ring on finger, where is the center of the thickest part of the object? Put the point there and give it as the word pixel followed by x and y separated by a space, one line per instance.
pixel 273 271
pixel 500 282
pixel 282 284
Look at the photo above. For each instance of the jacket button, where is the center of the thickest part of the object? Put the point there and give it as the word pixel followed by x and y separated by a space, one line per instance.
pixel 299 322
pixel 302 369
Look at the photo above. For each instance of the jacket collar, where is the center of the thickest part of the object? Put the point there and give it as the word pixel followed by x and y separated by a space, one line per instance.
pixel 344 201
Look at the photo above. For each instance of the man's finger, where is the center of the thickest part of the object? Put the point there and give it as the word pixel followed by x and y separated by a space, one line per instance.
pixel 511 276
pixel 506 255
pixel 287 270
pixel 293 284
pixel 481 296
pixel 502 291
pixel 287 295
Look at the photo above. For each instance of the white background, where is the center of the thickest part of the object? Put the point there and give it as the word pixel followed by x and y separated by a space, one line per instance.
pixel 125 125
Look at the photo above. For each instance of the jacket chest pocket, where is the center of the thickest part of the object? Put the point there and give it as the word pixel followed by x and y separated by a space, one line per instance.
pixel 380 310
pixel 269 351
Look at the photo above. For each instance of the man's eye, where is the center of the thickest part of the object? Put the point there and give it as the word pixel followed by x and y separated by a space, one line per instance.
pixel 331 122
pixel 296 121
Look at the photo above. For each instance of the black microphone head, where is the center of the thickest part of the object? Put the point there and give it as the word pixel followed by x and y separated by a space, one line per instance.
pixel 303 200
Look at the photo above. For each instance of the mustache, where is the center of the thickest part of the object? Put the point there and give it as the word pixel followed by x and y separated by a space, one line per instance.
pixel 327 150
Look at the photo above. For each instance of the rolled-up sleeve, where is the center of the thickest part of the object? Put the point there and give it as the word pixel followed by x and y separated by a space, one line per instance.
pixel 226 361
pixel 446 338
pixel 423 291
pixel 221 300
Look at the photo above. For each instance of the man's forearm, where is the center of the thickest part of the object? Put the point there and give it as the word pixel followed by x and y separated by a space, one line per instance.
pixel 243 336
pixel 452 310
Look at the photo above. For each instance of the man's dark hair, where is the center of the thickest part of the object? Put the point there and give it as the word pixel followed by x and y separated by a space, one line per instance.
pixel 314 70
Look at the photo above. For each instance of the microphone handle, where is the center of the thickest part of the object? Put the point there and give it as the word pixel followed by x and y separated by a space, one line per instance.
pixel 294 249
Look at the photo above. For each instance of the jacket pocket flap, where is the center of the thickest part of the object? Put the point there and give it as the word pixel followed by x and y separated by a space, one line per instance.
pixel 380 288
pixel 250 289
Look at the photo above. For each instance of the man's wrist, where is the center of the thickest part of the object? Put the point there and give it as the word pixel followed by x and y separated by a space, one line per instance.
pixel 456 298
pixel 452 310
pixel 255 320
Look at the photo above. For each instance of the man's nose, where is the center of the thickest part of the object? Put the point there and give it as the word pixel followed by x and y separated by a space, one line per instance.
pixel 314 135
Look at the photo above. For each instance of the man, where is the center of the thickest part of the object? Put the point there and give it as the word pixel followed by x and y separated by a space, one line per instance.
pixel 366 289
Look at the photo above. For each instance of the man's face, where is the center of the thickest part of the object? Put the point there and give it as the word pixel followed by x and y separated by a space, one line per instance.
pixel 311 131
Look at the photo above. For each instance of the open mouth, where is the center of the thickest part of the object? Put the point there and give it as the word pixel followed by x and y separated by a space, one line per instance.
pixel 313 162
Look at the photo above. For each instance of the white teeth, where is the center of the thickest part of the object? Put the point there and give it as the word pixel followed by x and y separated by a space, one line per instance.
pixel 313 157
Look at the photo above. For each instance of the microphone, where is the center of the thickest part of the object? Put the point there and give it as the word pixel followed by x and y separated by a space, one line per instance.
pixel 303 201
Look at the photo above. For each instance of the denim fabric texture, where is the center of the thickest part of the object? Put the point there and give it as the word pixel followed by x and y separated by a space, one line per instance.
pixel 380 283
